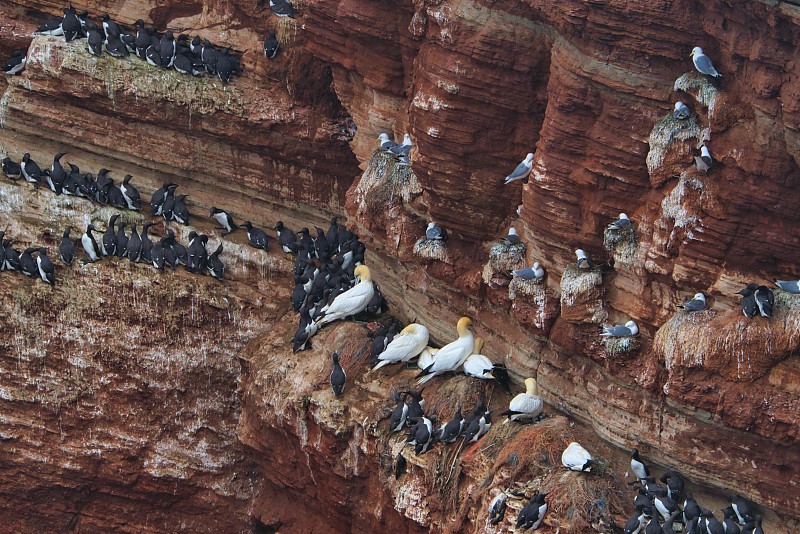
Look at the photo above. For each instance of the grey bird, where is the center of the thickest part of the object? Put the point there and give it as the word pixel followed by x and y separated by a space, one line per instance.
pixel 697 303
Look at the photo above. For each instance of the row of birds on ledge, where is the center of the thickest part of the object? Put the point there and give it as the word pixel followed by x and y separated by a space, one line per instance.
pixel 192 56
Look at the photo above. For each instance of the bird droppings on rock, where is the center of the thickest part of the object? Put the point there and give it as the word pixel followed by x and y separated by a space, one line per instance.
pixel 582 295
pixel 503 258
pixel 384 182
pixel 622 243
pixel 430 249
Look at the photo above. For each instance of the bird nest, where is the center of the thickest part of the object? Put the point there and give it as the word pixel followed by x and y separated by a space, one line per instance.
pixel 384 181
pixel 622 243
pixel 620 346
pixel 702 87
pixel 667 131
pixel 506 258
pixel 526 288
pixel 576 282
pixel 432 249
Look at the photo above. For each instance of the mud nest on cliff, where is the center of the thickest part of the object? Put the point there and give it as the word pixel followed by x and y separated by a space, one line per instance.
pixel 622 243
pixel 667 131
pixel 527 288
pixel 621 346
pixel 503 258
pixel 704 88
pixel 384 182
pixel 575 282
pixel 431 249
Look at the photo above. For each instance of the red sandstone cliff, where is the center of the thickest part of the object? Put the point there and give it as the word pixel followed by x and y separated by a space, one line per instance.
pixel 477 85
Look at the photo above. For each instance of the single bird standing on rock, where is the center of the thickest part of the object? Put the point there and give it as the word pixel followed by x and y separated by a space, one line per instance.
pixel 386 143
pixel 478 423
pixel 90 245
pixel 16 63
pixel 271 45
pixel 621 223
pixel 338 376
pixel 512 238
pixel 351 302
pixel 46 268
pixel 30 169
pixel 66 250
pixel 628 329
pixel 215 266
pixel 451 356
pixel 532 515
pixel 576 458
pixel 583 262
pixel 526 405
pixel 497 510
pixel 405 345
pixel 256 237
pixel 703 162
pixel 282 8
pixel 639 468
pixel 535 272
pixel 286 238
pixel 522 171
pixel 224 219
pixel 11 169
pixel 790 286
pixel 697 303
pixel 434 232
pixel 130 193
pixel 703 63
pixel 681 111
pixel 453 428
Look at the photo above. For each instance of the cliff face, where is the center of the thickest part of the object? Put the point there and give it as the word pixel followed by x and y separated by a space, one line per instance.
pixel 210 436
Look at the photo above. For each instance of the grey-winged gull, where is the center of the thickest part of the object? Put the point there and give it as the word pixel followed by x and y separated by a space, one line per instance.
pixel 435 232
pixel 621 223
pixel 386 143
pixel 790 286
pixel 697 303
pixel 522 171
pixel 512 238
pixel 681 111
pixel 628 329
pixel 404 149
pixel 535 272
pixel 703 63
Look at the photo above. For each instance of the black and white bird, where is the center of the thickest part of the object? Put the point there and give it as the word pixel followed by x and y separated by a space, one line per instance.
pixel 130 193
pixel 134 248
pixel 121 250
pixel 224 219
pixel 51 27
pixel 282 8
pixel 399 414
pixel 256 237
pixel 30 169
pixel 215 266
pixel 638 467
pixel 71 25
pixel 434 232
pixel 497 510
pixel 665 506
pixel 422 435
pixel 478 423
pixel 115 47
pixel 674 483
pixel 532 515
pixel 583 262
pixel 621 223
pixel 453 428
pixel 512 238
pixel 167 49
pixel 730 522
pixel 338 376
pixel 703 63
pixel 271 45
pixel 57 175
pixel 109 242
pixel 90 245
pixel 697 303
pixel 286 238
pixel 704 162
pixel 681 111
pixel 744 509
pixel 11 168
pixel 160 195
pixel 66 249
pixel 748 301
pixel 94 42
pixel 180 213
pixel 47 270
pixel 16 63
pixel 226 66
pixel 110 28
pixel 522 171
pixel 27 265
